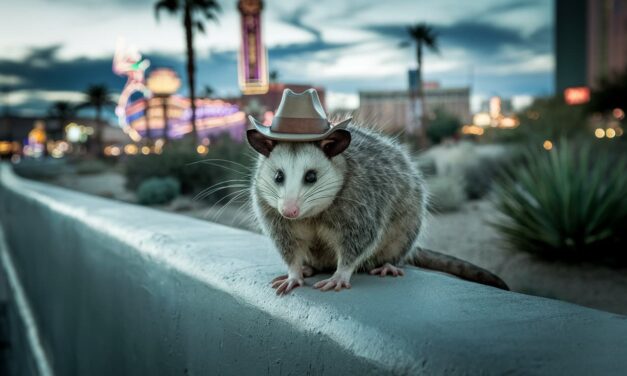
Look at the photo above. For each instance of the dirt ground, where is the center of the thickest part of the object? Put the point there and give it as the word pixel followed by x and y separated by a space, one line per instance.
pixel 466 235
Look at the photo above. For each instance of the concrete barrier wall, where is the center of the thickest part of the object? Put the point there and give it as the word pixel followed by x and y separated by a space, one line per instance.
pixel 117 289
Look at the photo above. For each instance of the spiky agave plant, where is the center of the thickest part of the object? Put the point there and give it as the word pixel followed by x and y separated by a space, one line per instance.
pixel 568 203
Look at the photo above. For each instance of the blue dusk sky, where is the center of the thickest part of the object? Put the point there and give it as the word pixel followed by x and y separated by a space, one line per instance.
pixel 52 50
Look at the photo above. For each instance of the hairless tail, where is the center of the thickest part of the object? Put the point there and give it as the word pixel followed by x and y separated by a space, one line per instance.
pixel 432 260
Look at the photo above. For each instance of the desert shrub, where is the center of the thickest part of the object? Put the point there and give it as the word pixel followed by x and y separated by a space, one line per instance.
pixel 90 166
pixel 568 203
pixel 480 175
pixel 155 191
pixel 41 169
pixel 443 126
pixel 195 172
pixel 446 193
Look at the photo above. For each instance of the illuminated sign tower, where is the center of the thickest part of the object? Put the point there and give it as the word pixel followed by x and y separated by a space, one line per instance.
pixel 253 69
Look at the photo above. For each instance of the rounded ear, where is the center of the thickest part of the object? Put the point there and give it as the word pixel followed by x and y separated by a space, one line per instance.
pixel 336 143
pixel 259 142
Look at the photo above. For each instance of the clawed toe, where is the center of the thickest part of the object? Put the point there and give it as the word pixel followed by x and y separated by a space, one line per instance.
pixel 307 271
pixel 279 278
pixel 334 283
pixel 284 284
pixel 386 269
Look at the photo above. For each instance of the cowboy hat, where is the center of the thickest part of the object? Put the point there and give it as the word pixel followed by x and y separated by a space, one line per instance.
pixel 299 118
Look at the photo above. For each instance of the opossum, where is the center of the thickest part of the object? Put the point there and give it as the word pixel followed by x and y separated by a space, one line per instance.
pixel 354 201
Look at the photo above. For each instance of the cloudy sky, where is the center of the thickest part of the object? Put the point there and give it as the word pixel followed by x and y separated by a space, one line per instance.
pixel 52 50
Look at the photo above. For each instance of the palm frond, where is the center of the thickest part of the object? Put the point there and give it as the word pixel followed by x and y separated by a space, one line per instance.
pixel 171 6
pixel 424 34
pixel 199 26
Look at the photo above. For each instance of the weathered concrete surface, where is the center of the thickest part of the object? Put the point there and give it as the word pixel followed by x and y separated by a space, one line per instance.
pixel 119 289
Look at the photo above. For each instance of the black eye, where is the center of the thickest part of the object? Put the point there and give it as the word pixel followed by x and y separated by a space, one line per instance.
pixel 311 177
pixel 279 177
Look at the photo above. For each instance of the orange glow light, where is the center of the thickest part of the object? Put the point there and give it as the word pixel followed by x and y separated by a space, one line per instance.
pixel 577 95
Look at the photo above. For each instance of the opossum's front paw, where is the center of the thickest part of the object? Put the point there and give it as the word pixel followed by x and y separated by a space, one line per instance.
pixel 337 282
pixel 382 271
pixel 284 284
pixel 307 271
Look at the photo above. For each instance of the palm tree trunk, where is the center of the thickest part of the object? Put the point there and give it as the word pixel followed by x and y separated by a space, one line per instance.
pixel 191 69
pixel 421 94
pixel 147 117
pixel 98 133
pixel 166 123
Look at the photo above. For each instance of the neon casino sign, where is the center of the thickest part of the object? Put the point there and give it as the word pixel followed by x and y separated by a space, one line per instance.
pixel 252 62
pixel 213 116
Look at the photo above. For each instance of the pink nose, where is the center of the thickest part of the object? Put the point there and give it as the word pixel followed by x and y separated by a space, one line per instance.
pixel 291 210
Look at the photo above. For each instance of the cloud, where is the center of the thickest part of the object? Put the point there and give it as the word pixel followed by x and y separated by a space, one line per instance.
pixel 507 7
pixel 337 44
pixel 44 54
pixel 295 18
pixel 9 80
pixel 480 37
pixel 303 51
pixel 43 70
pixel 477 37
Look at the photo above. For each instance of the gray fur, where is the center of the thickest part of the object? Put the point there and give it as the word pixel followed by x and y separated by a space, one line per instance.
pixel 367 210
pixel 376 216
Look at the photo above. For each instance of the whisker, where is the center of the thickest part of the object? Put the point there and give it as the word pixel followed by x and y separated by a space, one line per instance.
pixel 241 191
pixel 219 213
pixel 217 184
pixel 223 160
pixel 223 167
pixel 199 196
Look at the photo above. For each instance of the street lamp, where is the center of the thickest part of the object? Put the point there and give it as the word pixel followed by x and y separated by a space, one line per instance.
pixel 163 82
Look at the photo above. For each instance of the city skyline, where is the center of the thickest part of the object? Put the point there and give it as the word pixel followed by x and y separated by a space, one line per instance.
pixel 498 47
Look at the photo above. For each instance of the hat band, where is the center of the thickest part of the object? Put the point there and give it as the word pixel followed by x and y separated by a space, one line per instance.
pixel 299 126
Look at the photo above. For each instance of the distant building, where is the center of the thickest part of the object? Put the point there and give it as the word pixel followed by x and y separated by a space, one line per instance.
pixel 570 44
pixel 16 132
pixel 590 41
pixel 606 39
pixel 16 128
pixel 392 110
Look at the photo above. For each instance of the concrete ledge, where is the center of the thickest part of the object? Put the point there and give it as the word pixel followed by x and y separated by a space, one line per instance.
pixel 120 289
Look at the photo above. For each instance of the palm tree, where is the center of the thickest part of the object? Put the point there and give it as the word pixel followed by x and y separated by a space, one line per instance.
pixel 97 97
pixel 424 37
pixel 194 13
pixel 62 111
pixel 208 92
pixel 274 76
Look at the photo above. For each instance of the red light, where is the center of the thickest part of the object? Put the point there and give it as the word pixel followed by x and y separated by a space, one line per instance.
pixel 577 95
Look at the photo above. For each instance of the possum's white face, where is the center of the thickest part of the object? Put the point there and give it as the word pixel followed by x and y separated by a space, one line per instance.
pixel 300 179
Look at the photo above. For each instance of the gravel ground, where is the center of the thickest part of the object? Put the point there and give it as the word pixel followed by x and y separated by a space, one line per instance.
pixel 466 235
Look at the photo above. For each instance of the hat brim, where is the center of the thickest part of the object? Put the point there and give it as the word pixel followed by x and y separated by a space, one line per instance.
pixel 297 137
